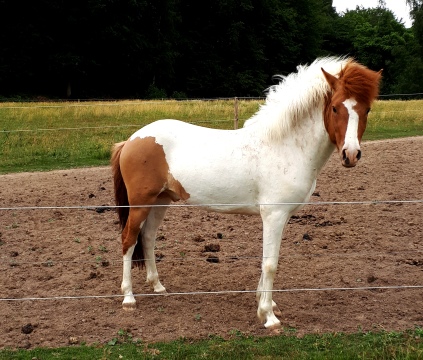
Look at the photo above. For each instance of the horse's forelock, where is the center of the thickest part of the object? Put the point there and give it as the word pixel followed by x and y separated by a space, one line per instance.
pixel 359 82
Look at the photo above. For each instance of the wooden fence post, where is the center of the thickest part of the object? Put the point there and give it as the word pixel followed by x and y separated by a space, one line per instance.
pixel 236 113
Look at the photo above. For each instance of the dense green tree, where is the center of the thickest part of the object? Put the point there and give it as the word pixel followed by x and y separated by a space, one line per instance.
pixel 131 46
pixel 91 48
pixel 234 46
pixel 292 31
pixel 410 79
pixel 24 46
pixel 329 20
pixel 375 38
pixel 145 48
pixel 416 13
pixel 220 49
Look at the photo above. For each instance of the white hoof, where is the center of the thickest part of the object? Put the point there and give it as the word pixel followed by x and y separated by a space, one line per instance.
pixel 160 289
pixel 271 321
pixel 129 304
pixel 272 325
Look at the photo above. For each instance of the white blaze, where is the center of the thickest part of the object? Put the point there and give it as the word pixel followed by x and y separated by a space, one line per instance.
pixel 351 135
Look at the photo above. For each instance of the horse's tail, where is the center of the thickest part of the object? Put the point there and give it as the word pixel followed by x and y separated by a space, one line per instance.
pixel 122 202
pixel 121 195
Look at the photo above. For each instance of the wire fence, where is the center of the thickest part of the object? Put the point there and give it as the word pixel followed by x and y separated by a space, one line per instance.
pixel 118 102
pixel 109 102
pixel 81 128
pixel 116 262
pixel 223 292
pixel 211 205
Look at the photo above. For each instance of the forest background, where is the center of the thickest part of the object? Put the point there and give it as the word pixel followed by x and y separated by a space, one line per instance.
pixel 115 49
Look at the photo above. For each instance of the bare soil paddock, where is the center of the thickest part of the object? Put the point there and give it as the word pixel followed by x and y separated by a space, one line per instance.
pixel 76 253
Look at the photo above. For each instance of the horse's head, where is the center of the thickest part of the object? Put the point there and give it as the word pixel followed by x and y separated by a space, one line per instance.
pixel 347 106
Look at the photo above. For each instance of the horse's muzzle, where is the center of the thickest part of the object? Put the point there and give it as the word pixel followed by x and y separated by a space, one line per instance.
pixel 350 158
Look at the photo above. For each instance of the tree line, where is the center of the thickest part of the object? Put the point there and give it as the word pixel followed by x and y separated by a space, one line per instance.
pixel 191 48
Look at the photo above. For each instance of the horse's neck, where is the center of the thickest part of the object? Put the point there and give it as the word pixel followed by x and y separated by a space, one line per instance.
pixel 307 139
pixel 313 140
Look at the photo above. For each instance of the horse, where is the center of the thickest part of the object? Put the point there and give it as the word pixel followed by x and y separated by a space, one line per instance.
pixel 268 167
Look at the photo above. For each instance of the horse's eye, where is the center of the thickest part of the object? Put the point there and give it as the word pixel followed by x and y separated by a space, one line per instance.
pixel 334 109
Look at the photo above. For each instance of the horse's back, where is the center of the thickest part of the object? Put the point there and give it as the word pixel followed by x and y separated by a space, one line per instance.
pixel 166 129
pixel 196 143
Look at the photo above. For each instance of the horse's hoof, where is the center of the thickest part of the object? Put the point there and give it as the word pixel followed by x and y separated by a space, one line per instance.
pixel 129 306
pixel 274 327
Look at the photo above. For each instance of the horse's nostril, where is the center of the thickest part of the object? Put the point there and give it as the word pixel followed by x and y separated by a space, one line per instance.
pixel 344 154
pixel 358 154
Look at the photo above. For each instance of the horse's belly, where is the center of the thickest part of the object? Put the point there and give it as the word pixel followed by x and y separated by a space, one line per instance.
pixel 218 188
pixel 245 209
pixel 223 180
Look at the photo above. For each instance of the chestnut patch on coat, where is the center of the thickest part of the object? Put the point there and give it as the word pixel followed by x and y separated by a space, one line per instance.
pixel 146 172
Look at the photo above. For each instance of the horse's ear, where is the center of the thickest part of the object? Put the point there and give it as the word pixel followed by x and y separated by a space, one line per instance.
pixel 380 73
pixel 332 80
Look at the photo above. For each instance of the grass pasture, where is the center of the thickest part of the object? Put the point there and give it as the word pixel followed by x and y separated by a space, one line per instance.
pixel 45 136
pixel 395 118
pixel 378 346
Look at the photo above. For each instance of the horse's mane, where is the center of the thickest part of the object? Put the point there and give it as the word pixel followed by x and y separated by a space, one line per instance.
pixel 298 93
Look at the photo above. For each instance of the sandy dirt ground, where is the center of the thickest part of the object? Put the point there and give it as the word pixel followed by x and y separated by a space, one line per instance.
pixel 57 253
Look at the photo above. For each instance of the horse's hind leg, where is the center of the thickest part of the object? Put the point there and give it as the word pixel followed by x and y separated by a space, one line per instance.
pixel 130 233
pixel 149 232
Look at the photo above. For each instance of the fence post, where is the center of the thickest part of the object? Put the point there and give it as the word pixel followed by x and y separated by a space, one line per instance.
pixel 236 113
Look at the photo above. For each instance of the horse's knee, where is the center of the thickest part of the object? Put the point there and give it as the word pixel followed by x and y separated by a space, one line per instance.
pixel 269 267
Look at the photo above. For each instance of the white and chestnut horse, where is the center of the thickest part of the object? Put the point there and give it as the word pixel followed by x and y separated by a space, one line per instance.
pixel 268 167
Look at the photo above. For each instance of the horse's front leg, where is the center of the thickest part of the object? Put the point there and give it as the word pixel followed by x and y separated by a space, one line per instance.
pixel 274 221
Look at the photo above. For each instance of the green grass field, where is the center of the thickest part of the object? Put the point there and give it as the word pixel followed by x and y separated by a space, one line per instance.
pixel 378 346
pixel 394 118
pixel 46 136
